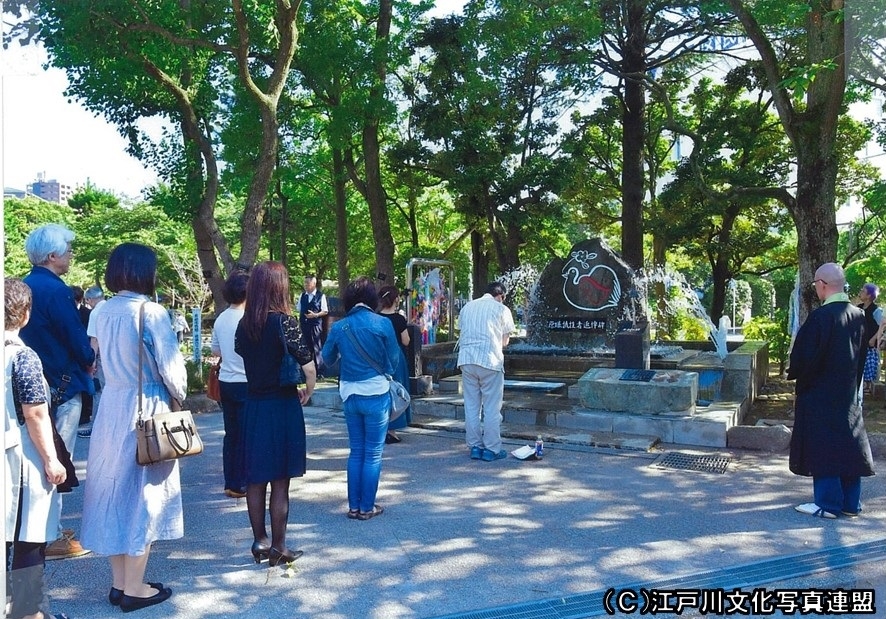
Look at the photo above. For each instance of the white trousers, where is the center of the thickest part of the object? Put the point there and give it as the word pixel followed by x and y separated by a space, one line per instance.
pixel 482 390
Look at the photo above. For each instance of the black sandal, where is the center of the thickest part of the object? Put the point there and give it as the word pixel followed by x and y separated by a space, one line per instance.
pixel 377 510
pixel 353 514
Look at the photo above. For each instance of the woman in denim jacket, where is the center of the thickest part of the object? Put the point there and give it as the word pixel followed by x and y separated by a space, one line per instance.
pixel 365 392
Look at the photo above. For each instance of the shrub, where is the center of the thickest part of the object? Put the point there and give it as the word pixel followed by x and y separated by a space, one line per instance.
pixel 773 331
pixel 197 375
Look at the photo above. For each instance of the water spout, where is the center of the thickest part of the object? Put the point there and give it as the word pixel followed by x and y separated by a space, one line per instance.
pixel 681 296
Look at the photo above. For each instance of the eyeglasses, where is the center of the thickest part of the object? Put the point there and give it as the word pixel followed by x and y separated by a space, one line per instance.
pixel 814 281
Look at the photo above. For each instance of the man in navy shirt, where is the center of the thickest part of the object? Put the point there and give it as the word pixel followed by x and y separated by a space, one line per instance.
pixel 59 338
pixel 312 308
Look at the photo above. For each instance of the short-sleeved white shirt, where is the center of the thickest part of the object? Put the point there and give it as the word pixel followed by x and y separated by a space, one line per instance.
pixel 232 370
pixel 484 323
pixel 90 326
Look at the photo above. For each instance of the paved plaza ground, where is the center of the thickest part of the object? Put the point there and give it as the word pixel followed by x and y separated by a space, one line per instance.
pixel 465 538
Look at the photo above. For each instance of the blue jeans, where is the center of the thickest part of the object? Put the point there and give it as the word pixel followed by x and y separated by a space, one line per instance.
pixel 67 418
pixel 233 397
pixel 836 494
pixel 367 420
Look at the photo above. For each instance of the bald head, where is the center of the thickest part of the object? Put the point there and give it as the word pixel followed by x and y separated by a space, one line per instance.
pixel 829 279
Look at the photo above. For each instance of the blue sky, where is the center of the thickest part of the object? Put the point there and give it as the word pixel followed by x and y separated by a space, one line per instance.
pixel 43 133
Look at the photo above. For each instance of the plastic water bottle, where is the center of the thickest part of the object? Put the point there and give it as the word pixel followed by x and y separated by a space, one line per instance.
pixel 539 448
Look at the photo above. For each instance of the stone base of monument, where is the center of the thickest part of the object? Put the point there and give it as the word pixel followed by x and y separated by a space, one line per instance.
pixel 707 427
pixel 421 385
pixel 666 406
pixel 668 392
pixel 559 418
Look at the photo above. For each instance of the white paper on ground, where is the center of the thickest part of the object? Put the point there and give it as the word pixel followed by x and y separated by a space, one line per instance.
pixel 523 452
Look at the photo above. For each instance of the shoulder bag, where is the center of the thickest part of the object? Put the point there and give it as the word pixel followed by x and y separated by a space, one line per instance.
pixel 291 374
pixel 213 389
pixel 400 398
pixel 164 436
pixel 61 450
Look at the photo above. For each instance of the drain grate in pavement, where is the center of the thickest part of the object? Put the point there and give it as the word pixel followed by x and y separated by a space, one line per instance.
pixel 691 462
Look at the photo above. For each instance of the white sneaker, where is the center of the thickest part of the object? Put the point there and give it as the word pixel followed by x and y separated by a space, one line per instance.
pixel 814 510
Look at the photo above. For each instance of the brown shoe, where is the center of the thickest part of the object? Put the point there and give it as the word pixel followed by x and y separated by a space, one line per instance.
pixel 65 547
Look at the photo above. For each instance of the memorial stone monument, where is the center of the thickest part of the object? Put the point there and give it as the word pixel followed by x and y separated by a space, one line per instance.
pixel 581 301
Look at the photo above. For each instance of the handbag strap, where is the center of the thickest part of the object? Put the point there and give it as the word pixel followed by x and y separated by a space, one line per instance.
pixel 347 329
pixel 141 358
pixel 16 398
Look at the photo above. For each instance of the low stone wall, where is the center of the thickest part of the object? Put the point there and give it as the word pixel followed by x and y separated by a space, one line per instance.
pixel 439 360
pixel 745 369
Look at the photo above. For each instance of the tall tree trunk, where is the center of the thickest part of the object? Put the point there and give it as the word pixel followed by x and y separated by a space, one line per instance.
pixel 720 256
pixel 812 131
pixel 284 223
pixel 659 256
pixel 339 179
pixel 721 275
pixel 375 193
pixel 633 135
pixel 285 22
pixel 202 177
pixel 254 210
pixel 814 216
pixel 814 138
pixel 480 258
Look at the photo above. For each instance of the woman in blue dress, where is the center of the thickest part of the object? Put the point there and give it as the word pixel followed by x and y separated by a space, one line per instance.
pixel 389 307
pixel 127 507
pixel 273 422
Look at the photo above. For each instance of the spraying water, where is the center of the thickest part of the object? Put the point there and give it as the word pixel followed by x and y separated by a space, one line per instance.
pixel 679 296
pixel 520 284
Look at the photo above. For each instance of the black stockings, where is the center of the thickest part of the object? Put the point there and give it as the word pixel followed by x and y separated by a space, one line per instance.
pixel 256 495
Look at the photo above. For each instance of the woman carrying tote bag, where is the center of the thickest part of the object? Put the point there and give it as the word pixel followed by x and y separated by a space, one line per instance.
pixel 127 507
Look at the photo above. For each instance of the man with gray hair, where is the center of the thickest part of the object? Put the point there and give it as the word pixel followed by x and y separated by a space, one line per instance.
pixel 59 338
pixel 485 326
pixel 829 442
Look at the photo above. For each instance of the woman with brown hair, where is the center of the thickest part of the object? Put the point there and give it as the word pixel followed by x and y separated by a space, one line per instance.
pixel 273 422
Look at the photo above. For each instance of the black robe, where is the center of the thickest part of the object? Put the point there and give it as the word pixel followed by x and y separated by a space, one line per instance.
pixel 827 360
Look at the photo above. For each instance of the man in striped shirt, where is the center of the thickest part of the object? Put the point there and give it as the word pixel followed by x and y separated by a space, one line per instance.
pixel 486 325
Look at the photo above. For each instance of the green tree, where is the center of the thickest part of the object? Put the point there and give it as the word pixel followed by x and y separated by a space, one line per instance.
pixel 803 48
pixel 640 38
pixel 713 208
pixel 494 84
pixel 171 58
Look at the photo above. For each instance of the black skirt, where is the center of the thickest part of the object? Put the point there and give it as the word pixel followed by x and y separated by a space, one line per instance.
pixel 273 439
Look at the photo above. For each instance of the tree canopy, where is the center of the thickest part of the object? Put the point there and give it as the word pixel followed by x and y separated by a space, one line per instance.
pixel 345 137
